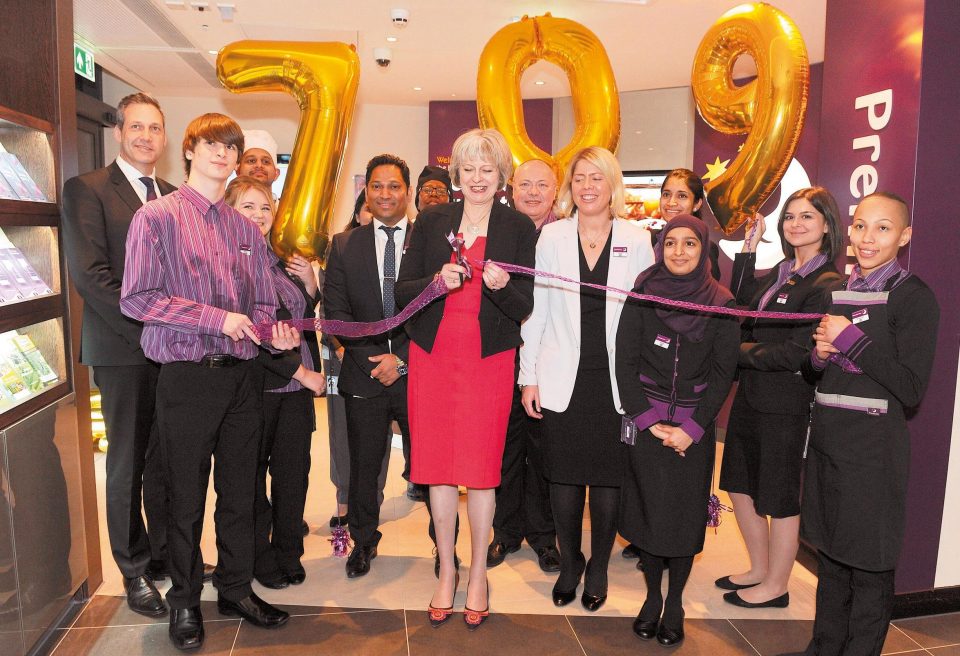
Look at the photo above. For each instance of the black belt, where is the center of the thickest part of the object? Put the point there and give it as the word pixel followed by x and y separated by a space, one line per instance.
pixel 219 360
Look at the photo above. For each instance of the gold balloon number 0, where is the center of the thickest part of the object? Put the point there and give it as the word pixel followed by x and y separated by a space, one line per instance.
pixel 771 108
pixel 576 50
pixel 323 78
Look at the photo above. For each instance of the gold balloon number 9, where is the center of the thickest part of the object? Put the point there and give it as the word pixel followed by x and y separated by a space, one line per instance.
pixel 572 47
pixel 323 78
pixel 771 107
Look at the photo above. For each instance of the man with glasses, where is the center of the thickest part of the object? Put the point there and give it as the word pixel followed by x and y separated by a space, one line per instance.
pixel 433 187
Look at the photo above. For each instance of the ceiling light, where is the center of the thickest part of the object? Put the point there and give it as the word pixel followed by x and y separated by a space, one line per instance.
pixel 226 11
pixel 418 88
pixel 539 83
pixel 399 17
pixel 213 52
pixel 392 39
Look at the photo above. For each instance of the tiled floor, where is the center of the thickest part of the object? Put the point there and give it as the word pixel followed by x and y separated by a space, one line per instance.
pixel 382 613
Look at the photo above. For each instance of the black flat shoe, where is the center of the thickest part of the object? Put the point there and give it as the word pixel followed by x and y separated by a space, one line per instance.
pixel 564 597
pixel 186 628
pixel 669 637
pixel 358 563
pixel 336 520
pixel 592 602
pixel 297 577
pixel 275 581
pixel 497 552
pixel 646 629
pixel 549 559
pixel 143 598
pixel 631 552
pixel 726 584
pixel 254 610
pixel 778 602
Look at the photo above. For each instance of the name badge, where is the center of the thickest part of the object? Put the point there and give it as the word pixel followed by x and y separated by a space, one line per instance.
pixel 861 315
pixel 662 342
pixel 782 299
pixel 619 251
pixel 245 249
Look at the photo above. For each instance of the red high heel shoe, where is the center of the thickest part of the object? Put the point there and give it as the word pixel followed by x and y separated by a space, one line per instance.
pixel 474 618
pixel 439 616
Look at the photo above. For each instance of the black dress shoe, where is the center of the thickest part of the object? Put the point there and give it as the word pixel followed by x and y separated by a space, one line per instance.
pixel 358 563
pixel 497 552
pixel 646 629
pixel 778 602
pixel 564 597
pixel 436 562
pixel 669 637
pixel 297 577
pixel 592 602
pixel 156 571
pixel 337 520
pixel 275 580
pixel 208 571
pixel 726 584
pixel 142 597
pixel 254 610
pixel 631 552
pixel 549 559
pixel 186 628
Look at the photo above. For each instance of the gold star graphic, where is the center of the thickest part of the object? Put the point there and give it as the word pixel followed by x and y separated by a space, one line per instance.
pixel 716 169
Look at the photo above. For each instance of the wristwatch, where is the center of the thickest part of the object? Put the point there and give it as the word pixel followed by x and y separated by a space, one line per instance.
pixel 401 367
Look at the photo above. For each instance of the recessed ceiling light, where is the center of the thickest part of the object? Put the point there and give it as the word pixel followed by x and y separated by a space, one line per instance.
pixel 638 131
pixel 392 39
pixel 213 52
pixel 453 95
pixel 418 88
pixel 539 83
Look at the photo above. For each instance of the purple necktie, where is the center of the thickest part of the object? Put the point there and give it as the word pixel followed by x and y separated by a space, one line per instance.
pixel 151 191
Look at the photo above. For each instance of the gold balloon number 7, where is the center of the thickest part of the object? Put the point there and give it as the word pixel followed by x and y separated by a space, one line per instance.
pixel 323 78
pixel 771 107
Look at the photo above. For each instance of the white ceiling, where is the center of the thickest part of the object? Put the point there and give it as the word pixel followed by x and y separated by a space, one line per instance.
pixel 164 49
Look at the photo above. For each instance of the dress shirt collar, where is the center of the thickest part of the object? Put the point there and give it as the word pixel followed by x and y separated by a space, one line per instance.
pixel 201 202
pixel 876 280
pixel 402 224
pixel 132 174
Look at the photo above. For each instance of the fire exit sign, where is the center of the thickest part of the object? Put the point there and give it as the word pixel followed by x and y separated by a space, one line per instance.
pixel 83 62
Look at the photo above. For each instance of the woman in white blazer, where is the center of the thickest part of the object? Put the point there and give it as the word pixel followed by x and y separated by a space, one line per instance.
pixel 567 369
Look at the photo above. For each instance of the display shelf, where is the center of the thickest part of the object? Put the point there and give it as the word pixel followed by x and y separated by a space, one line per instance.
pixel 33 368
pixel 27 164
pixel 26 212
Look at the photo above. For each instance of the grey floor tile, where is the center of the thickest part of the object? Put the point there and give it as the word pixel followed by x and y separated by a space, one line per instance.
pixel 103 610
pixel 145 640
pixel 374 633
pixel 770 637
pixel 932 631
pixel 500 635
pixel 611 636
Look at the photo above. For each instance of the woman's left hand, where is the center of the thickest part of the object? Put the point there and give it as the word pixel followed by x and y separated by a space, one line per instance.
pixel 300 267
pixel 284 337
pixel 494 277
pixel 672 436
pixel 831 325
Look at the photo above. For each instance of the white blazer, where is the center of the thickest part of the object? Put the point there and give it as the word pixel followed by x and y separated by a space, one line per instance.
pixel 550 354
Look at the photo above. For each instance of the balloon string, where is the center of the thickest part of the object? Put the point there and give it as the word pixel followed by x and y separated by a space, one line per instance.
pixel 436 289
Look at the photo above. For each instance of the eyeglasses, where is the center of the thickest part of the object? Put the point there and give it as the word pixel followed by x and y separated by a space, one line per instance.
pixel 527 187
pixel 434 191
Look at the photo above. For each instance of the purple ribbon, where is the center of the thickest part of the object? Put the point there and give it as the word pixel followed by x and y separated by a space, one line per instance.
pixel 436 289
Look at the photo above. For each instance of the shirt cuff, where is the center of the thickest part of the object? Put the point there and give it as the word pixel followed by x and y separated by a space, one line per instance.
pixel 847 338
pixel 816 362
pixel 646 419
pixel 693 429
pixel 212 320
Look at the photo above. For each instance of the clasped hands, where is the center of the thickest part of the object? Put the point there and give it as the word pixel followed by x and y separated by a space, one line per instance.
pixel 493 276
pixel 828 330
pixel 673 437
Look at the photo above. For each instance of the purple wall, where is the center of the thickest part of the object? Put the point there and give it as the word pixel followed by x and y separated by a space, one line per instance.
pixel 451 118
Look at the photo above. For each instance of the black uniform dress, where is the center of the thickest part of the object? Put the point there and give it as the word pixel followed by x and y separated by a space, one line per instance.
pixel 763 449
pixel 858 459
pixel 667 377
pixel 582 443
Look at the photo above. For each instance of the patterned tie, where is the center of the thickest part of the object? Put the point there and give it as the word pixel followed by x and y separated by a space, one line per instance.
pixel 389 273
pixel 151 191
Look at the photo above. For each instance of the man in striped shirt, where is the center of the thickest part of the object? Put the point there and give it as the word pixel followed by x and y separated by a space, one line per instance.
pixel 195 276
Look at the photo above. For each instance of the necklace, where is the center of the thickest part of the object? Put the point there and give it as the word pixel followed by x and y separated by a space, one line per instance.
pixel 473 227
pixel 592 241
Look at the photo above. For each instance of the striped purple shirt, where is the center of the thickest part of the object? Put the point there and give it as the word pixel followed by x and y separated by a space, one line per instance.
pixel 876 280
pixel 189 262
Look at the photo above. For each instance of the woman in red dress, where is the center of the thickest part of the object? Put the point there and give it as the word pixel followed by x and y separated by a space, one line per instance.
pixel 462 370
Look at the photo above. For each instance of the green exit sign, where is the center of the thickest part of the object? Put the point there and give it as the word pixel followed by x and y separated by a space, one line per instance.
pixel 83 62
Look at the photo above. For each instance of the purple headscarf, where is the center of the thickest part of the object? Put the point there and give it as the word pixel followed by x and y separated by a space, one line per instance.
pixel 698 286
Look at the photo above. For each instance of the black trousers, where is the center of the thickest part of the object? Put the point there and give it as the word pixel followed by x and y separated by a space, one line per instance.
pixel 288 423
pixel 523 498
pixel 134 466
pixel 368 436
pixel 204 413
pixel 853 613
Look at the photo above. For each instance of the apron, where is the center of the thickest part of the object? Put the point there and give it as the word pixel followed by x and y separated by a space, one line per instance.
pixel 858 456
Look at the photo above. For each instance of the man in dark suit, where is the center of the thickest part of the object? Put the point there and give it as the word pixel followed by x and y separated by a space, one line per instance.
pixel 97 210
pixel 360 276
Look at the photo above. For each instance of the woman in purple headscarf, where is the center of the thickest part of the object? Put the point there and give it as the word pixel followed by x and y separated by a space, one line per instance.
pixel 674 370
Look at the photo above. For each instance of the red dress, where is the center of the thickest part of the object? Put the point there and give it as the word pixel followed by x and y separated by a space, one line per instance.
pixel 458 402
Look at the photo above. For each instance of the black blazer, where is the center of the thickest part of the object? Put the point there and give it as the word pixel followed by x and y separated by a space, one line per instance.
pixel 511 238
pixel 280 367
pixel 772 352
pixel 97 210
pixel 351 292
